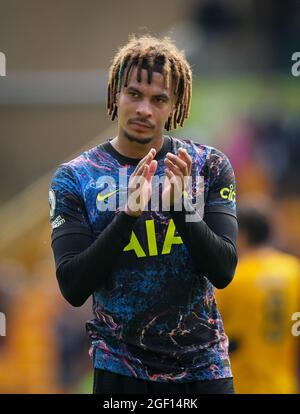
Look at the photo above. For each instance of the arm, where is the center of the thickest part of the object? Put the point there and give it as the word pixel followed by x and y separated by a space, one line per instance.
pixel 211 241
pixel 212 244
pixel 82 265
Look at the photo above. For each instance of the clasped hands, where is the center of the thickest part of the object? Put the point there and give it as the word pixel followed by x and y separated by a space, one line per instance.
pixel 177 171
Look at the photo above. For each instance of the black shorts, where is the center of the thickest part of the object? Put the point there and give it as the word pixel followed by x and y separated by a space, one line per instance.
pixel 106 382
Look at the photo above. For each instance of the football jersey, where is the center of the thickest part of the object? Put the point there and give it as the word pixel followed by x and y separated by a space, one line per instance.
pixel 155 318
pixel 257 310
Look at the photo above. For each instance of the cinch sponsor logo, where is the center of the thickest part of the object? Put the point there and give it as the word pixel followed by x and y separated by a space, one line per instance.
pixel 58 222
pixel 2 324
pixel 2 64
pixel 228 193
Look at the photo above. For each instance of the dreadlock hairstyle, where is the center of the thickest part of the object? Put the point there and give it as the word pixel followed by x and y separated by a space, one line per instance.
pixel 154 55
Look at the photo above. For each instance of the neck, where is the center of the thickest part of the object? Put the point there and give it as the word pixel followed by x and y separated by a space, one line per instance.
pixel 134 149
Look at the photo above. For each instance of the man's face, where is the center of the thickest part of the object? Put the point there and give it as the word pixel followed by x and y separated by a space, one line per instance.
pixel 144 108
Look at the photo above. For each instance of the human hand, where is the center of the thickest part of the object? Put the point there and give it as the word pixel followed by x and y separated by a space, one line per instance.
pixel 140 185
pixel 178 169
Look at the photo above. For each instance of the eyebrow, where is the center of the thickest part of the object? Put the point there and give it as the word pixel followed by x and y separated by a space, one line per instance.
pixel 159 95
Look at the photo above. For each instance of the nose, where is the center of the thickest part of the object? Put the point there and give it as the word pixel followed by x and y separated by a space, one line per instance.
pixel 144 108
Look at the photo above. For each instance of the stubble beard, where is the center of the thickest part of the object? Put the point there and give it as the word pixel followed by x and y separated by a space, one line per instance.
pixel 134 138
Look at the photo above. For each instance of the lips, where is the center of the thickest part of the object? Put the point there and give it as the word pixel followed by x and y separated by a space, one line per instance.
pixel 140 124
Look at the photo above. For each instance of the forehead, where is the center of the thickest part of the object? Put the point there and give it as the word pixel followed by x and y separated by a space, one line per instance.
pixel 155 87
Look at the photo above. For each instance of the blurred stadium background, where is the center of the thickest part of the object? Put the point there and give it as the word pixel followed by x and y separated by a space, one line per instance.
pixel 52 106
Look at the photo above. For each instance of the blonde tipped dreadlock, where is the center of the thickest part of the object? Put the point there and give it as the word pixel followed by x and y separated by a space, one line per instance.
pixel 153 54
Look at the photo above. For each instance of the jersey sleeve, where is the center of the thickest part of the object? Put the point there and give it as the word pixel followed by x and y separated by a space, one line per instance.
pixel 221 195
pixel 67 210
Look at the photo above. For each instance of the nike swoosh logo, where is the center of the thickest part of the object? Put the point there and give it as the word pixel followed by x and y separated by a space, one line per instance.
pixel 105 196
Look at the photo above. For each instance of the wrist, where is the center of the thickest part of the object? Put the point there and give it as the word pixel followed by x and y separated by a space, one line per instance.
pixel 132 213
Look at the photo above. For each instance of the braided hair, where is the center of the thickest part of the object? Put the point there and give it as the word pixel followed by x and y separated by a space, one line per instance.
pixel 154 55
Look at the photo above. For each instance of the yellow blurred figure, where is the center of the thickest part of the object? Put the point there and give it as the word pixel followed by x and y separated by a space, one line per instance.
pixel 257 310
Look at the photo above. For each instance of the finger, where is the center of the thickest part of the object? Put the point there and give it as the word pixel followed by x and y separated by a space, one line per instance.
pixel 152 170
pixel 173 180
pixel 146 160
pixel 140 167
pixel 184 155
pixel 140 179
pixel 169 173
pixel 150 154
pixel 182 165
pixel 175 177
pixel 145 171
pixel 136 180
pixel 176 170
